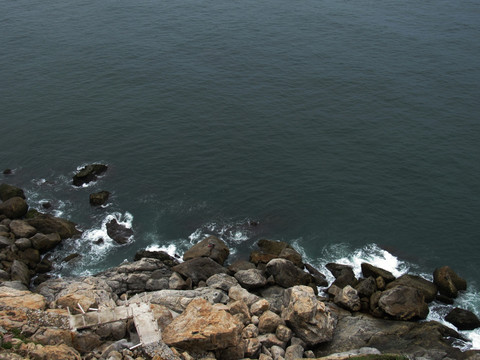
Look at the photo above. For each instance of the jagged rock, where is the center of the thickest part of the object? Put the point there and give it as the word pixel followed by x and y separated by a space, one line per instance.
pixel 19 271
pixel 198 269
pixel 463 319
pixel 239 308
pixel 268 322
pixel 160 255
pixel 320 279
pixel 30 257
pixel 348 298
pixel 286 274
pixel 251 279
pixel 88 174
pixel 85 342
pixel 448 282
pixel 274 295
pixel 404 303
pixel 176 282
pixel 370 270
pixel 366 287
pixel 362 353
pixel 22 229
pixel 292 255
pixel 269 340
pixel 221 281
pixel 118 232
pixel 283 333
pixel 9 191
pixel 250 331
pixel 201 328
pixel 259 307
pixel 427 288
pixel 43 242
pixel 48 224
pixel 14 208
pixel 53 336
pixel 10 297
pixel 294 352
pixel 49 352
pixel 306 316
pixel 343 274
pixel 277 352
pixel 100 198
pixel 211 247
pixel 252 347
pixel 239 293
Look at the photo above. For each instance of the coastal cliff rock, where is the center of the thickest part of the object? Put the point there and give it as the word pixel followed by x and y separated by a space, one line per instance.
pixel 211 247
pixel 48 224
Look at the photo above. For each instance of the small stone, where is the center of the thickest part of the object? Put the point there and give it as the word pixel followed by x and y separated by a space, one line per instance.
pixel 259 307
pixel 283 333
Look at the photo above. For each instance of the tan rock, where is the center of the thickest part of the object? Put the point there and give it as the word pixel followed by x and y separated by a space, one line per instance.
pixel 72 300
pixel 259 307
pixel 201 328
pixel 250 331
pixel 239 293
pixel 21 298
pixel 240 308
pixel 52 336
pixel 49 352
pixel 13 318
pixel 269 322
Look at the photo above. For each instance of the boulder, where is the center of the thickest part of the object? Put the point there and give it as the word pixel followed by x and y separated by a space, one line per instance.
pixel 5 242
pixel 463 319
pixel 23 244
pixel 427 288
pixel 176 282
pixel 239 293
pixel 240 310
pixel 19 271
pixel 252 347
pixel 22 229
pixel 160 255
pixel 88 174
pixel 370 270
pixel 306 316
pixel 259 307
pixel 48 224
pixel 118 232
pixel 404 303
pixel 283 333
pixel 286 274
pixel 343 274
pixel 272 247
pixel 268 322
pixel 240 265
pixel 43 242
pixel 293 255
pixel 251 279
pixel 221 281
pixel 201 327
pixel 199 269
pixel 100 198
pixel 274 295
pixel 348 298
pixel 294 352
pixel 320 279
pixel 448 282
pixel 9 191
pixel 366 287
pixel 211 247
pixel 14 208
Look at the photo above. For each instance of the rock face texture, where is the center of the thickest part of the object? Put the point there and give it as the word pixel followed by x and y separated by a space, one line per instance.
pixel 201 327
pixel 404 303
pixel 211 247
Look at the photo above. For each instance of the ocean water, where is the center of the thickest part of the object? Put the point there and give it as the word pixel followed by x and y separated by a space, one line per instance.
pixel 349 129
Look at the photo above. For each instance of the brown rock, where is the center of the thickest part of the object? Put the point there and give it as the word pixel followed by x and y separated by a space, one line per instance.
pixel 88 174
pixel 73 299
pixel 211 247
pixel 202 328
pixel 21 229
pixel 52 336
pixel 49 352
pixel 20 272
pixel 404 303
pixel 21 299
pixel 463 319
pixel 43 242
pixel 48 224
pixel 269 322
pixel 100 198
pixel 448 282
pixel 427 288
pixel 86 341
pixel 14 208
pixel 199 269
pixel 370 270
pixel 9 191
pixel 259 307
pixel 252 347
pixel 348 298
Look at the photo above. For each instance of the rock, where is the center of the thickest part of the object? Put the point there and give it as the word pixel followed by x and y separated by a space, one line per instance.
pixel 294 352
pixel 14 298
pixel 53 336
pixel 19 271
pixel 240 265
pixel 259 307
pixel 272 247
pixel 48 224
pixel 292 255
pixel 88 174
pixel 199 269
pixel 211 247
pixel 118 232
pixel 366 287
pixel 239 293
pixel 252 347
pixel 250 331
pixel 463 319
pixel 277 352
pixel 14 208
pixel 21 229
pixel 283 333
pixel 221 281
pixel 404 303
pixel 361 353
pixel 30 257
pixel 23 244
pixel 9 191
pixel 239 308
pixel 427 288
pixel 320 279
pixel 348 298
pixel 7 172
pixel 448 282
pixel 100 198
pixel 71 257
pixel 5 242
pixel 176 282
pixel 86 341
pixel 43 242
pixel 160 255
pixel 73 300
pixel 251 279
pixel 202 328
pixel 286 274
pixel 269 340
pixel 370 270
pixel 306 316
pixel 49 352
pixel 269 322
pixel 343 274
pixel 274 296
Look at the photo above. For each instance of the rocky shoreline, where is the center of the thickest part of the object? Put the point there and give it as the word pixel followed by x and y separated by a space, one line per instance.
pixel 266 307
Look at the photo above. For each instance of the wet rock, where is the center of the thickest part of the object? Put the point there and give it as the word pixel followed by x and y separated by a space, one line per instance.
pixel 343 274
pixel 463 319
pixel 320 279
pixel 251 279
pixel 7 172
pixel 14 208
pixel 306 316
pixel 370 270
pixel 48 224
pixel 71 257
pixel 286 274
pixel 118 232
pixel 448 282
pixel 427 288
pixel 9 191
pixel 199 269
pixel 211 247
pixel 88 174
pixel 100 198
pixel 201 328
pixel 404 303
pixel 43 242
pixel 348 298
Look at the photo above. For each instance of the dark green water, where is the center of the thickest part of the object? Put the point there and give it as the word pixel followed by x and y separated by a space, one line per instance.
pixel 344 127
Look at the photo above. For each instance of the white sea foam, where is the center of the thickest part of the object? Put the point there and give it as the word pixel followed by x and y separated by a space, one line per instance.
pixel 230 232
pixel 170 249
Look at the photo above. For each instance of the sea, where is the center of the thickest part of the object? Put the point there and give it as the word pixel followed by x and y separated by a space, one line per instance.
pixel 347 128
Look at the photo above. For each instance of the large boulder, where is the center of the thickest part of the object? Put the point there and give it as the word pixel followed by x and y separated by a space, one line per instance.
pixel 14 208
pixel 427 288
pixel 251 279
pixel 88 173
pixel 9 191
pixel 22 229
pixel 20 272
pixel 463 319
pixel 404 303
pixel 43 242
pixel 202 327
pixel 199 269
pixel 221 281
pixel 49 352
pixel 211 247
pixel 48 224
pixel 370 270
pixel 118 232
pixel 160 255
pixel 306 316
pixel 319 278
pixel 286 274
pixel 348 298
pixel 343 274
pixel 269 249
pixel 448 282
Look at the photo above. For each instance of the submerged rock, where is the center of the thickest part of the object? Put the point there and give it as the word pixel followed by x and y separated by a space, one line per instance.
pixel 118 232
pixel 100 198
pixel 88 174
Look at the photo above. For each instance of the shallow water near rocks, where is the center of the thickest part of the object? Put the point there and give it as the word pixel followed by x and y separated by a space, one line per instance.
pixel 347 128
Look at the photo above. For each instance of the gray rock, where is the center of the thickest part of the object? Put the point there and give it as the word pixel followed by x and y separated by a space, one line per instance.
pixel 22 229
pixel 19 271
pixel 239 293
pixel 23 243
pixel 294 352
pixel 221 281
pixel 176 282
pixel 240 265
pixel 320 279
pixel 199 269
pixel 211 247
pixel 251 279
pixel 286 274
pixel 277 352
pixel 403 303
pixel 118 232
pixel 43 242
pixel 366 287
pixel 5 242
